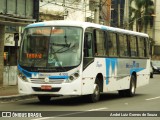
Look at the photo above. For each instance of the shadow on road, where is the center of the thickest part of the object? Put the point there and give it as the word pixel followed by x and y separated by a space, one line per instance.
pixel 82 100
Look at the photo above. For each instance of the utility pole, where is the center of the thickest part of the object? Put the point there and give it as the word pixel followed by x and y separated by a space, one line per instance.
pixel 153 28
pixel 2 31
pixel 126 15
pixel 96 13
pixel 65 12
pixel 85 4
pixel 119 13
pixel 108 18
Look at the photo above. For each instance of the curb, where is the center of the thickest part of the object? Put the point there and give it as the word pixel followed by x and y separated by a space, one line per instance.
pixel 15 97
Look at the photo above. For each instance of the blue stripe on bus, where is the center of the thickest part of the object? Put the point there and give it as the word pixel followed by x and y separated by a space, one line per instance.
pixel 25 72
pixel 104 28
pixel 30 74
pixel 135 70
pixel 36 25
pixel 19 68
pixel 58 77
pixel 110 62
pixel 107 28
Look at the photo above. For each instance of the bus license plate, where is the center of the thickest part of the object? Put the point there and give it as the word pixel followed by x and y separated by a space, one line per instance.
pixel 46 87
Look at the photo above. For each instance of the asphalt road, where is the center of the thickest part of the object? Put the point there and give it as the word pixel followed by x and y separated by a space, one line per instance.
pixel 147 98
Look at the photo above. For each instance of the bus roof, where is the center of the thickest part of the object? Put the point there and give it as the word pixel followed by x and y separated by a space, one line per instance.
pixel 85 25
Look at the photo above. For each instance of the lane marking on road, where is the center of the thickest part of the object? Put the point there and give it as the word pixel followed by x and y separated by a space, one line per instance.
pixel 98 109
pixel 153 98
pixel 14 100
pixel 62 115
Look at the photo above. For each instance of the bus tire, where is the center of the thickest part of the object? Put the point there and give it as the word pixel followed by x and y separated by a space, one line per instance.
pixel 44 99
pixel 131 91
pixel 121 93
pixel 151 75
pixel 96 94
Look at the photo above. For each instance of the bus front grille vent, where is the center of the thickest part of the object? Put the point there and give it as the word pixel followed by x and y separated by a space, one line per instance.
pixel 42 81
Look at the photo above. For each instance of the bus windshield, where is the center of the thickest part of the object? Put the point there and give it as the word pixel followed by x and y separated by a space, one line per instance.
pixel 48 47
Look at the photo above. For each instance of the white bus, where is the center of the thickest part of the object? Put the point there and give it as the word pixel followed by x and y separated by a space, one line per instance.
pixel 68 58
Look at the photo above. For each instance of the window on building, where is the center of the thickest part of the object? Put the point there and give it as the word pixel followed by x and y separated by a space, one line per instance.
pixel 10 56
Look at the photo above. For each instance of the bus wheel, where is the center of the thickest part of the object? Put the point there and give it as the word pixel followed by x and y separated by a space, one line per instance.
pixel 44 99
pixel 96 94
pixel 122 93
pixel 131 91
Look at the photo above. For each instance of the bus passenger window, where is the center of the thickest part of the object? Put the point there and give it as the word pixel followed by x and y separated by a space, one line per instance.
pixel 88 52
pixel 100 43
pixel 141 47
pixel 123 45
pixel 112 44
pixel 133 46
pixel 147 48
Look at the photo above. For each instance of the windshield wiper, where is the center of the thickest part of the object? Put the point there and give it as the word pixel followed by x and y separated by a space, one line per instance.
pixel 63 45
pixel 56 58
pixel 60 50
pixel 70 47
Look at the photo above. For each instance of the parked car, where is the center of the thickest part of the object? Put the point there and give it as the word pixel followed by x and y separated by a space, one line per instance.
pixel 156 66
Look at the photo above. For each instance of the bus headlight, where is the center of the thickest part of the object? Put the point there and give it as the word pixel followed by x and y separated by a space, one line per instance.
pixel 76 74
pixel 73 76
pixel 22 76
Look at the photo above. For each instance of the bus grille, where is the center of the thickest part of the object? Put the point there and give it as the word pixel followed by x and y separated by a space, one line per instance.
pixel 40 90
pixel 51 81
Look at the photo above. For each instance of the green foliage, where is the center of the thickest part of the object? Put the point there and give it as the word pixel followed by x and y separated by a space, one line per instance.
pixel 141 13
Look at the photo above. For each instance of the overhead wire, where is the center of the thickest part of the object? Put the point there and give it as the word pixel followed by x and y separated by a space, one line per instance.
pixel 67 6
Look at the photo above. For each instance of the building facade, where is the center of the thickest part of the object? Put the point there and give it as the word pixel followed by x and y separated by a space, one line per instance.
pixel 14 15
pixel 156 29
pixel 62 10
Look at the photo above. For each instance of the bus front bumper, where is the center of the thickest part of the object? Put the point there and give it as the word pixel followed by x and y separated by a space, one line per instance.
pixel 73 88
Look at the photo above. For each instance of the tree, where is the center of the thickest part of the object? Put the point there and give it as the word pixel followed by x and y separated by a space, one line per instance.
pixel 141 12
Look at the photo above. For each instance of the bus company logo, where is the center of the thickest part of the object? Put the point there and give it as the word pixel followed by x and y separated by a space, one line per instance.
pixel 35 75
pixel 45 74
pixel 133 65
pixel 46 80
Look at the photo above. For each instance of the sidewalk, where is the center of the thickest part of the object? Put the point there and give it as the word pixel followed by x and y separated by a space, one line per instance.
pixel 8 90
pixel 10 93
